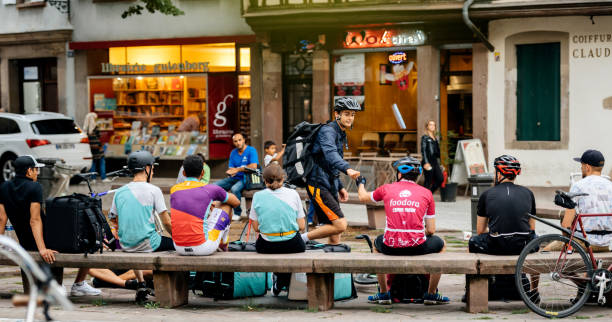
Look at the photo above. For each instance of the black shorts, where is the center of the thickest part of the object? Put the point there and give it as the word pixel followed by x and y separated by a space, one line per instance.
pixel 293 245
pixel 165 245
pixel 327 206
pixel 433 244
pixel 499 245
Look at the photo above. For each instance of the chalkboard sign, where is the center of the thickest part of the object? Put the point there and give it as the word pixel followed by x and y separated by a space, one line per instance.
pixel 469 161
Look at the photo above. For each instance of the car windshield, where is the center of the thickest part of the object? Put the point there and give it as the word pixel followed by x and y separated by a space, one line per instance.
pixel 56 126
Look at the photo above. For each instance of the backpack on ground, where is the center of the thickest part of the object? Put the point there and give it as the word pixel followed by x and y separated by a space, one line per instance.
pixel 297 159
pixel 233 285
pixel 407 288
pixel 76 224
pixel 344 286
pixel 503 288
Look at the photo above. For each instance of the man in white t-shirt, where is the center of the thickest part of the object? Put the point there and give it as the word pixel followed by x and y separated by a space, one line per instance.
pixel 598 201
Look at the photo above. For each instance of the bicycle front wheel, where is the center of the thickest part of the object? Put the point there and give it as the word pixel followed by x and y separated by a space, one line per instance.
pixel 552 278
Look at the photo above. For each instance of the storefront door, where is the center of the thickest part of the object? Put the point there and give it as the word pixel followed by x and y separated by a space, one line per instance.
pixel 38 85
pixel 297 92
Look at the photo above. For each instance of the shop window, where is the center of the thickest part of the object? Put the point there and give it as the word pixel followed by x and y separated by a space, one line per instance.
pixel 245 59
pixel 220 57
pixel 538 92
pixel 297 91
pixel 38 85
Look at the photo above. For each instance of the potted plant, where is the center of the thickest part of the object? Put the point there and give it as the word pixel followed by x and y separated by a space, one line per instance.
pixel 448 189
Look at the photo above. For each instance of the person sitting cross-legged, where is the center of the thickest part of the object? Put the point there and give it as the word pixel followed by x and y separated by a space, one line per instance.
pixel 410 224
pixel 198 227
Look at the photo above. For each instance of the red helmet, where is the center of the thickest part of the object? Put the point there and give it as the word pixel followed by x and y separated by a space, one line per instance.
pixel 508 166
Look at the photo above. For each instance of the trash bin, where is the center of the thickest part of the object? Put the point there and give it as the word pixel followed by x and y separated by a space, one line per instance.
pixel 479 183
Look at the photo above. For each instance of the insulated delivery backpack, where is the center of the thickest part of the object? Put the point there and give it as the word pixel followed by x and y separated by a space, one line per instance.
pixel 76 224
pixel 297 160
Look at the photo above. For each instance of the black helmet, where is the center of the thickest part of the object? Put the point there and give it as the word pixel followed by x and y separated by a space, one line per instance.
pixel 408 166
pixel 346 103
pixel 508 166
pixel 138 160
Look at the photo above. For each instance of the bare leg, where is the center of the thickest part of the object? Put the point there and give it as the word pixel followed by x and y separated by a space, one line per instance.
pixel 107 275
pixel 382 280
pixel 434 279
pixel 332 231
pixel 139 275
pixel 130 275
pixel 81 275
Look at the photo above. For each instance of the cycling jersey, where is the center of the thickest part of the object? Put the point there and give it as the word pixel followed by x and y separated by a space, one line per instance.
pixel 407 205
pixel 506 206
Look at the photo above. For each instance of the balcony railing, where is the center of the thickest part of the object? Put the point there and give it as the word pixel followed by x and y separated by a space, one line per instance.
pixel 249 6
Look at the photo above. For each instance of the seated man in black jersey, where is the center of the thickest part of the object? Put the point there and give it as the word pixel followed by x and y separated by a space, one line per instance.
pixel 503 226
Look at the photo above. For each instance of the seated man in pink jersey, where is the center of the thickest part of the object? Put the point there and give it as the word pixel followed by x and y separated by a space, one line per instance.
pixel 198 227
pixel 410 224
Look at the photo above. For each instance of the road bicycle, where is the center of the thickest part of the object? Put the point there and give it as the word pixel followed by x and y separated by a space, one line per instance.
pixel 556 273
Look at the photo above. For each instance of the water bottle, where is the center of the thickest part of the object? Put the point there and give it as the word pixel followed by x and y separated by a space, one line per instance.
pixel 9 231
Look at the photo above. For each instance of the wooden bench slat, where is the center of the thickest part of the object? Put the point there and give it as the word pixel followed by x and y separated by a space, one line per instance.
pixel 238 262
pixel 446 263
pixel 114 260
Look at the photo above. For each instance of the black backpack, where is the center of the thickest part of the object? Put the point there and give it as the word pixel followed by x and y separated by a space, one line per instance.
pixel 75 224
pixel 297 160
pixel 408 288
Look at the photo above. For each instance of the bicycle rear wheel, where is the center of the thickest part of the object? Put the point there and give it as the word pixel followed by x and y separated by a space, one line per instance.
pixel 552 281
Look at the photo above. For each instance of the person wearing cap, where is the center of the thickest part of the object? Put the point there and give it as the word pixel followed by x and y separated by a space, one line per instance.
pixel 20 201
pixel 598 201
pixel 133 214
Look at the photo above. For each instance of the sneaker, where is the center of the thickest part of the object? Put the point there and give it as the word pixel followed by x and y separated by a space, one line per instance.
pixel 380 298
pixel 107 180
pixel 142 293
pixel 83 289
pixel 236 217
pixel 432 299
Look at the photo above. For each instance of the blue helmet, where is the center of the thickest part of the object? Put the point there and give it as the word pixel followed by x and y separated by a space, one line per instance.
pixel 408 166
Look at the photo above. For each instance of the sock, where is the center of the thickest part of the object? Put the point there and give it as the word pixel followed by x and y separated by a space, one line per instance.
pixel 305 237
pixel 78 283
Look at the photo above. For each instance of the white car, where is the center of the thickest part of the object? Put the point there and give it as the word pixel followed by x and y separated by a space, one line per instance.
pixel 43 135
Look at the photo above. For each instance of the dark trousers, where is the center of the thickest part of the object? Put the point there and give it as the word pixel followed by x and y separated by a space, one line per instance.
pixel 165 245
pixel 433 177
pixel 293 245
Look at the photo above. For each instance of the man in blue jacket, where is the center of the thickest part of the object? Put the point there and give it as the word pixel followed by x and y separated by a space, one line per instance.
pixel 324 187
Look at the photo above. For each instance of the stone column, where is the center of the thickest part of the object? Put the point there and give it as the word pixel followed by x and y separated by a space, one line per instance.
pixel 272 100
pixel 257 103
pixel 70 90
pixel 428 91
pixel 479 94
pixel 320 86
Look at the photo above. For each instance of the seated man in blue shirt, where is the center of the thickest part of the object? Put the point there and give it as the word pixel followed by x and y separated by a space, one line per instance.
pixel 242 157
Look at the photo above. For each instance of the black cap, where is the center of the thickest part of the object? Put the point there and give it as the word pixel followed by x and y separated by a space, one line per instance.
pixel 591 157
pixel 24 162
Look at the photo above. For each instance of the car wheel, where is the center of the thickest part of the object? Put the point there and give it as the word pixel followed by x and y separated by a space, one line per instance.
pixel 8 168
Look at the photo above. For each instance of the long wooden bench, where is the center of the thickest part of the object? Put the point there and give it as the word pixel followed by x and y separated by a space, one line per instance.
pixel 170 270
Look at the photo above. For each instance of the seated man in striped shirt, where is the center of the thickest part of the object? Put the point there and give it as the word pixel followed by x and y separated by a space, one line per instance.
pixel 410 224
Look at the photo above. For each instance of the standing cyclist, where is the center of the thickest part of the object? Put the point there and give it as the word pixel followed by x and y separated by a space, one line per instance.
pixel 324 187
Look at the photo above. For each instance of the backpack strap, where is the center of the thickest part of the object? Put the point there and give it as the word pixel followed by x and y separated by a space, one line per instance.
pixel 108 237
pixel 97 230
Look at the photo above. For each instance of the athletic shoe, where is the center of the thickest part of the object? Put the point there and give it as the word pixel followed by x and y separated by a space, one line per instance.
pixel 432 299
pixel 107 180
pixel 236 218
pixel 380 298
pixel 83 289
pixel 142 293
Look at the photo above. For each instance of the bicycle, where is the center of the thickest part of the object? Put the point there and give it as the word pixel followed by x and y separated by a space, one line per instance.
pixel 561 273
pixel 42 285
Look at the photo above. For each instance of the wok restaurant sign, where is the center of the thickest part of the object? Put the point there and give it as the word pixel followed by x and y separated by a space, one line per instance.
pixel 377 38
pixel 169 67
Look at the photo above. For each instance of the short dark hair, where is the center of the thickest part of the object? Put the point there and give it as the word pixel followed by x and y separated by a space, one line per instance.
pixel 268 144
pixel 193 166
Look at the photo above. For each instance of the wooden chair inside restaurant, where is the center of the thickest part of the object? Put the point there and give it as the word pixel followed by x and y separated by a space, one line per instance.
pixel 390 142
pixel 407 144
pixel 369 142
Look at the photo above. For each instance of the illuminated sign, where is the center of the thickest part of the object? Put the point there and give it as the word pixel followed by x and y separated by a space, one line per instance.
pixel 383 38
pixel 169 67
pixel 397 58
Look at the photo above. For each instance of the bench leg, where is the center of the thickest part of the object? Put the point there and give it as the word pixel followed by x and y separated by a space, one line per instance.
pixel 477 299
pixel 171 288
pixel 320 291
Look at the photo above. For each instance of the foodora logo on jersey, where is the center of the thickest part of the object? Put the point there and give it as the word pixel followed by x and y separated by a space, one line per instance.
pixel 405 194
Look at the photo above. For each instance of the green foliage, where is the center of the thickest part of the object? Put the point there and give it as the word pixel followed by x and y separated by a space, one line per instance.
pixel 98 302
pixel 163 6
pixel 521 311
pixel 381 309
pixel 151 305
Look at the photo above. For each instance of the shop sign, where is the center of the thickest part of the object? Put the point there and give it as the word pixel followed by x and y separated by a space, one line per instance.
pixel 588 46
pixel 222 112
pixel 383 38
pixel 397 58
pixel 169 67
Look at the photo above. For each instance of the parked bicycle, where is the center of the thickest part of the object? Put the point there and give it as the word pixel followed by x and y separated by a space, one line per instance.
pixel 556 273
